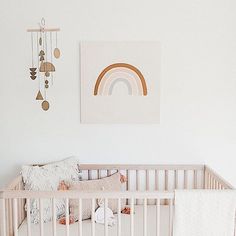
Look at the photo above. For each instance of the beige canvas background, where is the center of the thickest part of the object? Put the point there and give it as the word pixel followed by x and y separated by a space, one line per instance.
pixel 120 107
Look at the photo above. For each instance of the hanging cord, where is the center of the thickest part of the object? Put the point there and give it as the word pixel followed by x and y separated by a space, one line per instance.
pixel 56 39
pixel 51 55
pixel 43 46
pixel 32 48
pixel 38 58
pixel 46 46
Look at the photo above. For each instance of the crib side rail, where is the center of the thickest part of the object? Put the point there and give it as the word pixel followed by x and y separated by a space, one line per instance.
pixel 214 180
pixel 150 177
pixel 92 196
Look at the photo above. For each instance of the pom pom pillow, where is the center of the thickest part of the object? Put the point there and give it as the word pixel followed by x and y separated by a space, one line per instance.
pixel 47 178
pixel 111 183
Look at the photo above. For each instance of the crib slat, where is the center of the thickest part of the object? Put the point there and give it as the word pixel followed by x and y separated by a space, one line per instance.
pixel 166 184
pixel 166 180
pixel 67 218
pixel 41 216
pixel 220 187
pixel 19 209
pixel 54 217
pixel 210 182
pixel 15 218
pixel 214 184
pixel 93 217
pixel 3 204
pixel 195 185
pixel 207 180
pixel 176 179
pixel 147 183
pixel 127 185
pixel 137 184
pixel 137 180
pixel 147 180
pixel 127 177
pixel 132 217
pixel 185 179
pixel 10 216
pixel 105 217
pixel 28 217
pixel 119 218
pixel 158 203
pixel 89 174
pixel 156 180
pixel 145 217
pixel 171 217
pixel 99 174
pixel 80 218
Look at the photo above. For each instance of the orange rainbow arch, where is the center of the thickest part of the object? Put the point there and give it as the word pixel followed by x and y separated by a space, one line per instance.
pixel 120 72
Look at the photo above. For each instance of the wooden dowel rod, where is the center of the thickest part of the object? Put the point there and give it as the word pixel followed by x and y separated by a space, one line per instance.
pixel 137 184
pixel 195 185
pixel 119 218
pixel 41 217
pixel 28 217
pixel 176 179
pixel 93 217
pixel 54 217
pixel 156 180
pixel 15 220
pixel 89 174
pixel 158 203
pixel 170 217
pixel 185 179
pixel 67 217
pixel 3 203
pixel 106 218
pixel 80 217
pixel 132 217
pixel 44 30
pixel 145 217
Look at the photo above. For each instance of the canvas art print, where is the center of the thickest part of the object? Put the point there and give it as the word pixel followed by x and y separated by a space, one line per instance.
pixel 120 82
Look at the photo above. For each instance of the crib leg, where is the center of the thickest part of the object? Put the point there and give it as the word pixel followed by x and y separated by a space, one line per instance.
pixel 3 217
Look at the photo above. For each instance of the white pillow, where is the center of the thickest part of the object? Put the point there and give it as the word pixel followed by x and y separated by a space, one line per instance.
pixel 46 178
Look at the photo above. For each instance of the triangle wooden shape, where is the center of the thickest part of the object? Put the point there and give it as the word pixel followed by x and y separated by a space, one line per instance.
pixel 33 77
pixel 33 73
pixel 41 53
pixel 39 96
pixel 41 58
pixel 33 69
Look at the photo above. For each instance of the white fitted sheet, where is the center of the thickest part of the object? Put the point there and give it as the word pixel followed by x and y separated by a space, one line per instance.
pixel 125 225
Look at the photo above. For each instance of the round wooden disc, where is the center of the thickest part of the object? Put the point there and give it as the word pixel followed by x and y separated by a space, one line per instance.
pixel 57 53
pixel 47 74
pixel 45 105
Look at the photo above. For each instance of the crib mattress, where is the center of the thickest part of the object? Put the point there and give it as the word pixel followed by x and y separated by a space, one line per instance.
pixel 112 231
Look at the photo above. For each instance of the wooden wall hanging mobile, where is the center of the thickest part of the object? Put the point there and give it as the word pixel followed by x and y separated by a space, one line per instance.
pixel 42 68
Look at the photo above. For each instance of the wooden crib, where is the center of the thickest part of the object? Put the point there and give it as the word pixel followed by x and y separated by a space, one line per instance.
pixel 149 188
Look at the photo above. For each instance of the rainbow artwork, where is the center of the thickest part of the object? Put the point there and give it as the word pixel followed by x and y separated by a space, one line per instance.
pixel 120 73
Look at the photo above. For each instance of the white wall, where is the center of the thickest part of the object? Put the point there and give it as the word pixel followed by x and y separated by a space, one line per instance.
pixel 198 93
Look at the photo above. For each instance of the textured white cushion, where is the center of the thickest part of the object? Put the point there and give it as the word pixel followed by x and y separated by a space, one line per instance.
pixel 46 178
pixel 111 183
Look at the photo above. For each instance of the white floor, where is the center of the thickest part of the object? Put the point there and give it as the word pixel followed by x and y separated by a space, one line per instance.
pixel 125 225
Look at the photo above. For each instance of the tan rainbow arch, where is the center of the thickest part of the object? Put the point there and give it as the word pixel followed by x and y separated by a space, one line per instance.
pixel 124 73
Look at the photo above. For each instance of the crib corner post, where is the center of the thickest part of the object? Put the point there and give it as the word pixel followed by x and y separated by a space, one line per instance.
pixel 2 215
